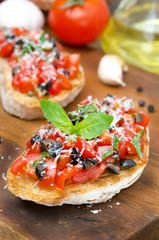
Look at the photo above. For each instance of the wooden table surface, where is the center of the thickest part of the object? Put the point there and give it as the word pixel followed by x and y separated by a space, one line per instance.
pixel 132 214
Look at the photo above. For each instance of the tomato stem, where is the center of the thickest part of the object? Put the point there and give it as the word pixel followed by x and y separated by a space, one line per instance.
pixel 71 3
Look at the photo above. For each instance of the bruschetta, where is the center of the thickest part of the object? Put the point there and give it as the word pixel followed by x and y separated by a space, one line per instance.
pixel 84 157
pixel 34 66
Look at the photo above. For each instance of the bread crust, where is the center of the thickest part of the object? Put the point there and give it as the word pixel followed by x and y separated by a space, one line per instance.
pixel 100 190
pixel 26 107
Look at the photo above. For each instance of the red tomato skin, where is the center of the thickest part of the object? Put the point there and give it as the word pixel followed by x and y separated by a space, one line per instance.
pixel 92 173
pixel 33 148
pixel 6 49
pixel 17 166
pixel 49 179
pixel 25 80
pixel 66 173
pixel 105 139
pixel 79 25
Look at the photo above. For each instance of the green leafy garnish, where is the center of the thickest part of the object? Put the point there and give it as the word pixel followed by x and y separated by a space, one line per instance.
pixel 116 142
pixel 108 153
pixel 42 37
pixel 136 143
pixel 57 115
pixel 44 154
pixel 71 3
pixel 92 126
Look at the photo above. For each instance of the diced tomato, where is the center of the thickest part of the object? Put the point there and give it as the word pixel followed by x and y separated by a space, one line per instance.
pixel 138 128
pixel 145 120
pixel 64 159
pixel 55 88
pixel 26 80
pixel 102 149
pixel 129 139
pixel 30 62
pixel 92 173
pixel 133 110
pixel 6 49
pixel 2 37
pixel 87 148
pixel 85 101
pixel 65 82
pixel 49 179
pixel 33 148
pixel 20 32
pixel 47 73
pixel 16 80
pixel 12 60
pixel 127 121
pixel 30 171
pixel 66 173
pixel 68 144
pixel 73 61
pixel 18 167
pixel 105 139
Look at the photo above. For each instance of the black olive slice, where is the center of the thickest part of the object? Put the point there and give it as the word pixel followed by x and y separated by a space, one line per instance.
pixel 48 85
pixel 45 144
pixel 52 40
pixel 16 70
pixel 40 170
pixel 89 162
pixel 138 118
pixel 36 138
pixel 127 163
pixel 53 148
pixel 10 36
pixel 116 157
pixel 113 169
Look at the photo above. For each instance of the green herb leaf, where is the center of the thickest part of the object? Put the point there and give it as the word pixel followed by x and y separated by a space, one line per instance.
pixel 136 143
pixel 57 115
pixel 108 153
pixel 116 142
pixel 93 125
pixel 44 154
pixel 71 3
pixel 42 37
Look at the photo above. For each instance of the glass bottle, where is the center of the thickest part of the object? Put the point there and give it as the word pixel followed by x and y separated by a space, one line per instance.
pixel 133 33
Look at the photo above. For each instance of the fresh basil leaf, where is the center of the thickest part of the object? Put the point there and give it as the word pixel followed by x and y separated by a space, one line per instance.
pixel 93 125
pixel 136 143
pixel 116 142
pixel 42 37
pixel 44 154
pixel 71 3
pixel 57 115
pixel 108 153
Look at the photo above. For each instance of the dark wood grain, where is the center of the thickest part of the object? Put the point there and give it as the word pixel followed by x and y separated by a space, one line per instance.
pixel 137 216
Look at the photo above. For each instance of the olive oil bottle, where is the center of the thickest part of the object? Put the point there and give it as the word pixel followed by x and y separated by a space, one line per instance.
pixel 133 33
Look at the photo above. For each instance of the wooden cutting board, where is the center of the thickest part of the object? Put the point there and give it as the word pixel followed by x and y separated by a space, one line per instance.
pixel 132 214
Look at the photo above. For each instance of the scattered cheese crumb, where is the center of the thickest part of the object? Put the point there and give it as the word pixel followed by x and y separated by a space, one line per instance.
pixel 96 211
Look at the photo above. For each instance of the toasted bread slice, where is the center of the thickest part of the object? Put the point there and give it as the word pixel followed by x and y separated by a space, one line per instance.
pixel 25 107
pixel 100 190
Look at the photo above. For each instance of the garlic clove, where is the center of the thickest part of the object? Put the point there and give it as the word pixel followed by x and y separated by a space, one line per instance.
pixel 20 13
pixel 110 70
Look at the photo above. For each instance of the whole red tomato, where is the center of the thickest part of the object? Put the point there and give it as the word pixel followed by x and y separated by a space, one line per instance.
pixel 78 24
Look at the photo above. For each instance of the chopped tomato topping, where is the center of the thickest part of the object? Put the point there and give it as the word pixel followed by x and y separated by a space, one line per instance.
pixel 92 173
pixel 66 173
pixel 18 167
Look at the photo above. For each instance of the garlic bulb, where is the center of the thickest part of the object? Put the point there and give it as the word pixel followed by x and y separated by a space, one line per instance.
pixel 110 70
pixel 20 13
